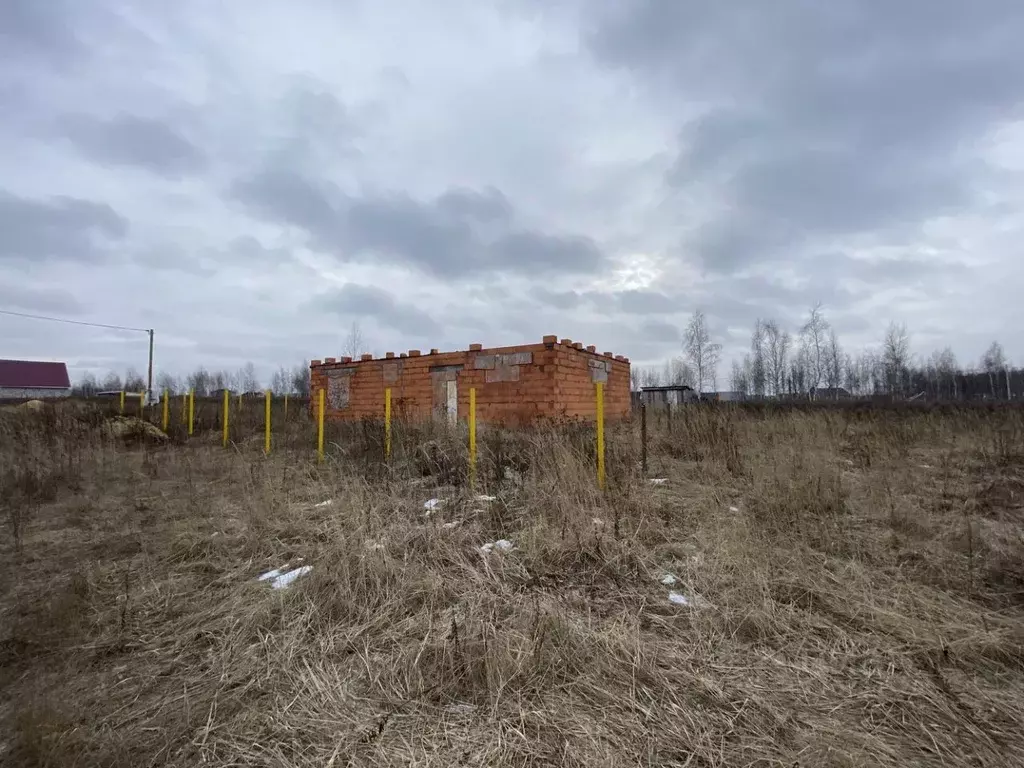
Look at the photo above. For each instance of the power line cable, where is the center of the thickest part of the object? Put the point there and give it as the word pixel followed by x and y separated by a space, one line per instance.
pixel 73 322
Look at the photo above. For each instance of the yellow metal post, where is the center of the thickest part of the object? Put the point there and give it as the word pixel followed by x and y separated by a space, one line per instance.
pixel 227 408
pixel 142 405
pixel 387 423
pixel 266 435
pixel 320 426
pixel 472 437
pixel 122 401
pixel 600 435
pixel 286 406
pixel 191 410
pixel 167 409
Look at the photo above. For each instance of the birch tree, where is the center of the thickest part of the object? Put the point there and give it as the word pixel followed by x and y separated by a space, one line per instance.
pixel 813 337
pixel 701 353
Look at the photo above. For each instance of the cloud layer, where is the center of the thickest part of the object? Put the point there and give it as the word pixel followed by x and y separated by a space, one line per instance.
pixel 249 181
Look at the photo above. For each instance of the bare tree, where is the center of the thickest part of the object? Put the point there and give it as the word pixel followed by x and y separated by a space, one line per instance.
pixel 834 360
pixel 200 382
pixel 133 381
pixel 851 375
pixel 813 342
pixel 112 383
pixel 799 372
pixel 247 379
pixel 943 367
pixel 895 358
pixel 993 362
pixel 758 379
pixel 649 377
pixel 87 386
pixel 777 344
pixel 701 352
pixel 739 379
pixel 166 382
pixel 679 373
pixel 280 381
pixel 300 379
pixel 355 343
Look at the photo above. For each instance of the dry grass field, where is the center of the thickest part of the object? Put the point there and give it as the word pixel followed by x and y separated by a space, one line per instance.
pixel 853 582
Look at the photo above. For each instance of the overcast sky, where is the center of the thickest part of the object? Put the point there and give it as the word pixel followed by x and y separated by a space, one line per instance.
pixel 248 178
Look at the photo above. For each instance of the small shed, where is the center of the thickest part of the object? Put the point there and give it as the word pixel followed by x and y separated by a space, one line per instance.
pixel 33 380
pixel 673 394
pixel 552 379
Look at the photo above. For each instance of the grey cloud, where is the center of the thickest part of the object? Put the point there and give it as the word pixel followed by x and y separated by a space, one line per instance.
pixel 241 254
pixel 247 249
pixel 657 330
pixel 486 206
pixel 557 299
pixel 358 301
pixel 59 228
pixel 39 29
pixel 60 35
pixel 33 298
pixel 134 141
pixel 827 119
pixel 316 127
pixel 289 198
pixel 539 253
pixel 458 234
pixel 637 302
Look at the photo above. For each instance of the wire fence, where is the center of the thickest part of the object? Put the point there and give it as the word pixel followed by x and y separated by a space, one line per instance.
pixel 463 451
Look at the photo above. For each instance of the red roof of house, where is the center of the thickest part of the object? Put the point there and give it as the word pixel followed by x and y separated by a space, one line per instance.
pixel 30 374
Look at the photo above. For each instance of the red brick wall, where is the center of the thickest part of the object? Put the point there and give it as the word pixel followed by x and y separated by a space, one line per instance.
pixel 514 385
pixel 575 385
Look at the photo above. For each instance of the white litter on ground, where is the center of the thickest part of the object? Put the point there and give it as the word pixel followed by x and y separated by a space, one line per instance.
pixel 668 580
pixel 285 579
pixel 324 503
pixel 432 504
pixel 658 480
pixel 502 545
pixel 484 497
pixel 598 522
pixel 693 601
pixel 734 509
pixel 272 574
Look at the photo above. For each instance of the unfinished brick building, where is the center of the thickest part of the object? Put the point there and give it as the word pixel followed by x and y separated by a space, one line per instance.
pixel 514 385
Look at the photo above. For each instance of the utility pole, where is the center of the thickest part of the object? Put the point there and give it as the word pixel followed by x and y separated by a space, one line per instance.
pixel 149 384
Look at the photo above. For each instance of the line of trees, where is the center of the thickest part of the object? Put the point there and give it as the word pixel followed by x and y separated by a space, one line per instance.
pixel 292 381
pixel 813 362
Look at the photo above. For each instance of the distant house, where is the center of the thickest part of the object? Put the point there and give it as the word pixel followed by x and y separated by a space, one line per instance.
pixel 723 397
pixel 830 393
pixel 33 380
pixel 674 394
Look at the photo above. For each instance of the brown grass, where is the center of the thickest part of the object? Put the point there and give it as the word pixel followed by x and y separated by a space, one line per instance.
pixel 862 606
